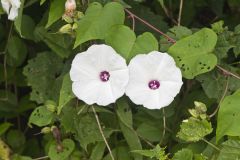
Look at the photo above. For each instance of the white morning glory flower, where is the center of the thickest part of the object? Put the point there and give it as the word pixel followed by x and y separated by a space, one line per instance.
pixel 99 75
pixel 11 8
pixel 154 80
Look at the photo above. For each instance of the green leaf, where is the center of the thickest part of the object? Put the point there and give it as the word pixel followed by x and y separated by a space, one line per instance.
pixel 17 51
pixel 218 26
pixel 18 157
pixel 68 147
pixel 125 121
pixel 60 44
pixel 98 151
pixel 223 44
pixel 98 20
pixel 149 132
pixel 143 44
pixel 4 127
pixel 18 20
pixel 193 130
pixel 120 152
pixel 41 116
pixel 193 54
pixel 184 154
pixel 177 33
pixel 87 131
pixel 27 27
pixel 41 73
pixel 230 150
pixel 214 84
pixel 228 116
pixel 65 93
pixel 16 140
pixel 56 11
pixel 123 41
pixel 157 152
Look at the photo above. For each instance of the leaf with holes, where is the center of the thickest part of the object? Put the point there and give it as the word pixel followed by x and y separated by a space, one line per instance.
pixel 41 116
pixel 193 130
pixel 193 54
pixel 68 147
pixel 230 150
pixel 228 116
pixel 42 75
pixel 157 152
pixel 87 131
pixel 98 20
pixel 143 44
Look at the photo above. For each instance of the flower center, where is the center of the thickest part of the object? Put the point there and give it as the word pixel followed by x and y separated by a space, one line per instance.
pixel 154 84
pixel 104 76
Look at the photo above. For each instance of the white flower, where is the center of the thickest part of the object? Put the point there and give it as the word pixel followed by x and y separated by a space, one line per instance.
pixel 11 8
pixel 154 80
pixel 99 75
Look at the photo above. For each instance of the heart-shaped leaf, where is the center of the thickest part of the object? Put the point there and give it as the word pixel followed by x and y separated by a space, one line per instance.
pixel 41 116
pixel 68 146
pixel 193 54
pixel 98 20
pixel 126 43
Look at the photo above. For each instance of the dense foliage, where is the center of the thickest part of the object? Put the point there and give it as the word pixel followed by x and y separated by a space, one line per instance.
pixel 42 119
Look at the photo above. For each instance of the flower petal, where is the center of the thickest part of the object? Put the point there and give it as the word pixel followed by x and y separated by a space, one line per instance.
pixel 82 68
pixel 6 5
pixel 15 3
pixel 13 13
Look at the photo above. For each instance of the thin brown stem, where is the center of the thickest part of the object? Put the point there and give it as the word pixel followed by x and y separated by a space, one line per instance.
pixel 228 72
pixel 133 23
pixel 180 12
pixel 150 26
pixel 101 131
pixel 224 94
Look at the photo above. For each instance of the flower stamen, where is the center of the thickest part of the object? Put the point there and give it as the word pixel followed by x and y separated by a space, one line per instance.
pixel 104 76
pixel 154 84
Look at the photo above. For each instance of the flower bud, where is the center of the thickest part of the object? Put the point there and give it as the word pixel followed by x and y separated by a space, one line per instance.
pixel 46 130
pixel 51 105
pixel 70 7
pixel 67 19
pixel 67 28
pixel 75 25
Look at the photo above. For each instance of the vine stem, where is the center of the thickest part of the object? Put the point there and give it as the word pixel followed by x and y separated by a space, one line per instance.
pixel 40 158
pixel 5 60
pixel 164 126
pixel 150 26
pixel 228 72
pixel 224 94
pixel 212 145
pixel 180 12
pixel 101 131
